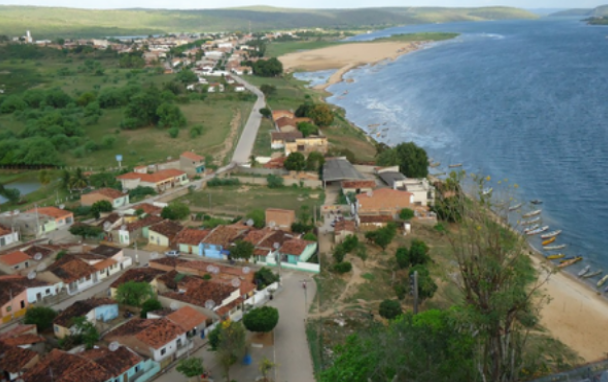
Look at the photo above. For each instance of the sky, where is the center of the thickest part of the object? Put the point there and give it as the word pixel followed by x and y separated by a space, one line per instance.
pixel 202 4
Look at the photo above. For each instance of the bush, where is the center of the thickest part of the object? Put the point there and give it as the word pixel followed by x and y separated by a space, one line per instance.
pixel 173 132
pixel 406 214
pixel 339 253
pixel 274 181
pixel 217 182
pixel 175 211
pixel 390 309
pixel 196 131
pixel 343 267
pixel 264 277
pixel 40 316
pixel 261 320
pixel 149 305
pixel 310 237
pixel 295 162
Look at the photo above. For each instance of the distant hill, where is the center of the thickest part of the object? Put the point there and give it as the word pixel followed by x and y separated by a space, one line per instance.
pixel 544 11
pixel 600 11
pixel 46 22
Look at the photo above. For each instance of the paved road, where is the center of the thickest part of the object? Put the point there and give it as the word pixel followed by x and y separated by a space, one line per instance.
pixel 245 145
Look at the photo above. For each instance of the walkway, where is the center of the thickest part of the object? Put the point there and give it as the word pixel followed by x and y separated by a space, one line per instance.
pixel 245 145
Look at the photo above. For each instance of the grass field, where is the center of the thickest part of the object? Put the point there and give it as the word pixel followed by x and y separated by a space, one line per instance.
pixel 277 49
pixel 261 146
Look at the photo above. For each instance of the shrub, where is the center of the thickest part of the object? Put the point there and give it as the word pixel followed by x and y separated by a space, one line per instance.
pixel 310 237
pixel 343 267
pixel 390 309
pixel 217 182
pixel 261 320
pixel 274 181
pixel 196 131
pixel 406 214
pixel 173 132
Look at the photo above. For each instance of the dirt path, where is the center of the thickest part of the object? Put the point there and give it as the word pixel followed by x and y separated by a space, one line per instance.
pixel 234 130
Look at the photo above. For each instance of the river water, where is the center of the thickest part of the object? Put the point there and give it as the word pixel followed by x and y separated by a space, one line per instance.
pixel 525 101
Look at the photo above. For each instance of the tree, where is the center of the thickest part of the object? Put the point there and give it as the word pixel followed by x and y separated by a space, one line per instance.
pixel 85 231
pixel 170 115
pixel 339 253
pixel 85 331
pixel 261 320
pixel 315 161
pixel 232 345
pixel 264 277
pixel 175 211
pixel 258 216
pixel 303 111
pixel 149 305
pixel 242 250
pixel 403 257
pixel 406 214
pixel 350 243
pixel 307 129
pixel 390 309
pixel 101 206
pixel 265 366
pixel 191 367
pixel 266 112
pixel 295 162
pixel 41 316
pixel 419 252
pixel 186 76
pixel 12 194
pixel 267 68
pixel 44 177
pixel 134 293
pixel 274 181
pixel 322 115
pixel 426 285
pixel 382 236
pixel 268 90
pixel 142 109
pixel 309 236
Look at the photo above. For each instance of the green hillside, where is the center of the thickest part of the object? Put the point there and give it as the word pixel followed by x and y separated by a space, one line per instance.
pixel 45 22
pixel 600 11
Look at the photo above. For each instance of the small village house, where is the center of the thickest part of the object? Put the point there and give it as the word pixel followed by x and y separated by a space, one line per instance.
pixel 277 218
pixel 159 181
pixel 192 163
pixel 163 234
pixel 36 290
pixel 307 145
pixel 62 218
pixel 93 309
pixel 384 201
pixel 14 261
pixel 190 320
pixel 115 197
pixel 343 229
pixel 138 275
pixel 189 239
pixel 217 244
pixel 358 186
pixel 13 300
pixel 279 139
pixel 421 189
pixel 137 229
pixel 15 360
pixel 72 273
pixel 8 236
pixel 297 250
pixel 28 223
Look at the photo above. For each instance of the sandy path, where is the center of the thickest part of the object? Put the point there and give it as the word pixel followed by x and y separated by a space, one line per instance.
pixel 345 57
pixel 576 315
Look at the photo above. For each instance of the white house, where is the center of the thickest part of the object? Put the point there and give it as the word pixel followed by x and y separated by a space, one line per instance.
pixel 215 87
pixel 239 88
pixel 36 290
pixel 8 236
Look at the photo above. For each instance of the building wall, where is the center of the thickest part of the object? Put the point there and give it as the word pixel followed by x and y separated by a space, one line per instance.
pixel 211 250
pixel 35 294
pixel 189 248
pixel 191 167
pixel 61 331
pixel 15 307
pixel 170 348
pixel 64 221
pixel 93 197
pixel 9 239
pixel 129 184
pixel 106 313
pixel 122 201
pixel 156 238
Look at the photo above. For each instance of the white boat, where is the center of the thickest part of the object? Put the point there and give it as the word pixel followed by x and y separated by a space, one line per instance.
pixel 551 234
pixel 584 271
pixel 531 221
pixel 602 281
pixel 533 213
pixel 515 207
pixel 554 247
pixel 455 165
pixel 535 226
pixel 538 230
pixel 593 274
pixel 487 191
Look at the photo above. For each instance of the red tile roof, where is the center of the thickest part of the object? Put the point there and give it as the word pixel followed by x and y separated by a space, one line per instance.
pixel 14 258
pixel 287 136
pixel 375 218
pixel 104 264
pixel 187 318
pixel 276 163
pixel 145 222
pixel 295 246
pixel 70 268
pixel 277 237
pixel 199 291
pixel 109 192
pixel 148 208
pixel 14 358
pixel 155 177
pixel 65 367
pixel 24 339
pixel 384 199
pixel 106 251
pixel 153 332
pixel 222 235
pixel 359 184
pixel 53 212
pixel 145 275
pixel 18 330
pixel 191 236
pixel 80 308
pixel 228 307
pixel 167 228
pixel 192 156
pixel 257 235
pixel 345 225
pixel 44 251
pixel 4 230
pixel 116 362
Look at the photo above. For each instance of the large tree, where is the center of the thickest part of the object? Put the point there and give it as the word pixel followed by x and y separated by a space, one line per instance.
pixel 175 211
pixel 261 320
pixel 134 293
pixel 191 367
pixel 295 162
pixel 412 160
pixel 242 250
pixel 85 331
pixel 41 316
pixel 231 345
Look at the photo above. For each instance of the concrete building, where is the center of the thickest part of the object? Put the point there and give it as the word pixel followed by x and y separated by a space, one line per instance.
pixel 14 261
pixel 8 236
pixel 164 233
pixel 115 197
pixel 337 170
pixel 93 309
pixel 159 181
pixel 189 239
pixel 192 163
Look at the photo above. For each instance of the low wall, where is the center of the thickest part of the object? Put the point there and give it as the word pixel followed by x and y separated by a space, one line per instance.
pixel 309 183
pixel 306 267
pixel 260 171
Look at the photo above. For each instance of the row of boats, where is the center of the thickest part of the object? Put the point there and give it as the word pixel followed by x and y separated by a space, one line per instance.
pixel 586 273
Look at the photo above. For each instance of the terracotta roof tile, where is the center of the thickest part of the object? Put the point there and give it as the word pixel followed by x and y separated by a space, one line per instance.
pixel 359 184
pixel 66 367
pixel 276 163
pixel 295 246
pixel 145 275
pixel 145 222
pixel 9 290
pixel 18 330
pixel 199 291
pixel 187 318
pixel 276 114
pixel 15 358
pixel 115 362
pixel 285 121
pixel 14 258
pixel 4 230
pixel 154 332
pixel 222 235
pixel 80 308
pixel 111 218
pixel 384 199
pixel 277 237
pixel 192 156
pixel 148 208
pixel 104 264
pixel 43 250
pixel 53 212
pixel 109 192
pixel 106 251
pixel 228 307
pixel 155 177
pixel 287 136
pixel 191 236
pixel 257 235
pixel 375 218
pixel 167 228
pixel 345 225
pixel 24 339
pixel 70 268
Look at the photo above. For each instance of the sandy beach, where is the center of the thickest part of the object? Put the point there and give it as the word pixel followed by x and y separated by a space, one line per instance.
pixel 345 57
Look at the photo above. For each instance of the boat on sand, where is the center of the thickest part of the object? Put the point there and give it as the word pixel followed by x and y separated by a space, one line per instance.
pixel 538 230
pixel 593 274
pixel 565 263
pixel 602 281
pixel 554 247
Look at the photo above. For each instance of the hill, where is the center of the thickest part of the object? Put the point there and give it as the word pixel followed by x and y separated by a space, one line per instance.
pixel 600 11
pixel 47 22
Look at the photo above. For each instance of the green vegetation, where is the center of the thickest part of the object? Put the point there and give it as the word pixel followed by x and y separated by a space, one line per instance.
pixel 40 316
pixel 423 36
pixel 134 293
pixel 278 49
pixel 390 309
pixel 175 211
pixel 149 305
pixel 412 160
pixel 242 250
pixel 230 344
pixel 65 22
pixel 261 320
pixel 265 277
pixel 190 367
pixel 597 20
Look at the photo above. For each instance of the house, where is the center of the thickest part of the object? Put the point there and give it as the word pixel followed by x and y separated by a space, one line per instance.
pixel 164 233
pixel 268 247
pixel 28 223
pixel 215 87
pixel 189 239
pixel 286 124
pixel 190 320
pixel 337 170
pixel 115 197
pixel 192 163
pixel 384 201
pixel 137 229
pixel 280 219
pixel 14 261
pixel 35 290
pixel 122 364
pixel 357 186
pixel 278 139
pixel 15 360
pixel 276 114
pixel 148 209
pixel 423 191
pixel 62 218
pixel 93 309
pixel 297 250
pixel 343 229
pixel 159 339
pixel 159 181
pixel 8 236
pixel 72 273
pixel 306 145
pixel 113 260
pixel 13 300
pixel 138 275
pixel 216 244
pixel 373 221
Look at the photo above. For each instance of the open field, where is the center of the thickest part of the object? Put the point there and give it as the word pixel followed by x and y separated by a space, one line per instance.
pixel 261 146
pixel 47 22
pixel 277 49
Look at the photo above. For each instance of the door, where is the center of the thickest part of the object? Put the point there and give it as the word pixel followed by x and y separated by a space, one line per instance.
pixel 38 296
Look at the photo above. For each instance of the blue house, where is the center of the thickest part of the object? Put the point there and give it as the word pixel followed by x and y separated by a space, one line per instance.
pixel 122 364
pixel 297 250
pixel 217 244
pixel 93 309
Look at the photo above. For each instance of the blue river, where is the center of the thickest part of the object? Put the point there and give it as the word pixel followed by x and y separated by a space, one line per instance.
pixel 525 101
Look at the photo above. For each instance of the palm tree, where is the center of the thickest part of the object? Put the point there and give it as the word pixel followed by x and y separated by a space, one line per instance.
pixel 78 181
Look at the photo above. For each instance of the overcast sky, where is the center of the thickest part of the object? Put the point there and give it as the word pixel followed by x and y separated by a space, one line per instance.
pixel 194 4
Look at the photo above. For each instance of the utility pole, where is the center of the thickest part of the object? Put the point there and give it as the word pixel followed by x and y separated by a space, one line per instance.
pixel 415 292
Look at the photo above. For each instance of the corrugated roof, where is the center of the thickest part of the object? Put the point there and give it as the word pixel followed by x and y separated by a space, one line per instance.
pixel 338 169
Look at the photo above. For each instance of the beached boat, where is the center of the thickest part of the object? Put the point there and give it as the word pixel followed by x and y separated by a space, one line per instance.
pixel 550 234
pixel 556 256
pixel 554 247
pixel 434 164
pixel 564 263
pixel 549 241
pixel 533 213
pixel 584 271
pixel 515 207
pixel 536 201
pixel 535 226
pixel 602 281
pixel 531 221
pixel 538 230
pixel 487 191
pixel 606 289
pixel 593 274
pixel 455 165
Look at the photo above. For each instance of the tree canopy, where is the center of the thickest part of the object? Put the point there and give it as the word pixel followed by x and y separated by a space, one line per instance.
pixel 191 367
pixel 242 250
pixel 390 309
pixel 263 319
pixel 175 211
pixel 295 162
pixel 41 316
pixel 267 68
pixel 134 293
pixel 412 160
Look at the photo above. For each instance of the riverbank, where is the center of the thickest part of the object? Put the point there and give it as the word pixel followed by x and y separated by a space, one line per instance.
pixel 346 57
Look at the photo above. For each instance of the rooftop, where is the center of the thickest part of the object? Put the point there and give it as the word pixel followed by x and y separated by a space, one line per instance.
pixel 4 230
pixel 80 308
pixel 191 236
pixel 192 156
pixel 115 362
pixel 148 208
pixel 156 177
pixel 390 177
pixel 222 235
pixel 145 222
pixel 338 169
pixel 375 218
pixel 70 268
pixel 359 184
pixel 9 290
pixel 288 136
pixel 43 250
pixel 139 275
pixel 153 332
pixel 65 367
pixel 255 236
pixel 24 339
pixel 277 237
pixel 109 192
pixel 14 358
pixel 199 291
pixel 345 225
pixel 52 212
pixel 384 199
pixel 105 250
pixel 295 246
pixel 187 318
pixel 14 258
pixel 104 264
pixel 167 228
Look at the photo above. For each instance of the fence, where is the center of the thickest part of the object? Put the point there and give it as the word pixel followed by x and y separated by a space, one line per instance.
pixel 261 171
pixel 309 183
pixel 594 372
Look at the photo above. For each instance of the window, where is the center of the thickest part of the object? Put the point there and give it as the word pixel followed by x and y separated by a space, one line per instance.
pixel 136 369
pixel 22 304
pixel 56 328
pixel 47 291
pixel 16 267
pixel 163 351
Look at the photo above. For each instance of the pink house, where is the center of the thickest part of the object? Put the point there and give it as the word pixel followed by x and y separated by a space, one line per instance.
pixel 13 301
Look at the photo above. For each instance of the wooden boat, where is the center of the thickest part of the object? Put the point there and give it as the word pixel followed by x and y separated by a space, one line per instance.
pixel 515 207
pixel 536 201
pixel 533 213
pixel 551 234
pixel 549 241
pixel 593 274
pixel 556 256
pixel 532 221
pixel 455 165
pixel 554 247
pixel 602 281
pixel 434 164
pixel 565 263
pixel 584 271
pixel 538 230
pixel 535 226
